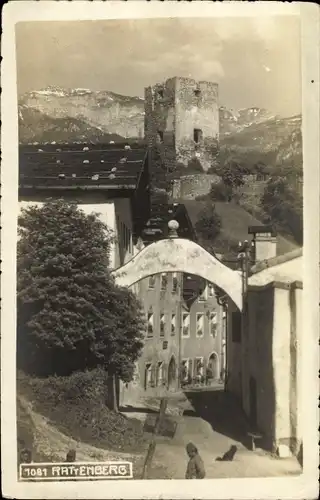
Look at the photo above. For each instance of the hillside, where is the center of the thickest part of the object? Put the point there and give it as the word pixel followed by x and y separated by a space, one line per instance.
pixel 106 111
pixel 72 115
pixel 35 126
pixel 276 142
pixel 234 227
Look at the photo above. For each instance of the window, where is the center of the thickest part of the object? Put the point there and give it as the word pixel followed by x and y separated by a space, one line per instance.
pixel 160 136
pixel 203 295
pixel 213 324
pixel 149 376
pixel 197 92
pixel 164 281
pixel 185 324
pixel 162 324
pixel 174 283
pixel 152 282
pixel 150 325
pixel 199 324
pixel 173 324
pixel 160 93
pixel 236 326
pixel 211 290
pixel 197 135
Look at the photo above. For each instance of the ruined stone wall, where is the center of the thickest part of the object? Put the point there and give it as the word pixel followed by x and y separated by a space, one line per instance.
pixel 196 105
pixel 190 186
pixel 173 110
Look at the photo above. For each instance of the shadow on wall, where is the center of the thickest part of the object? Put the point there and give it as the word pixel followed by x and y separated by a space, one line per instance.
pixel 261 394
pixel 222 411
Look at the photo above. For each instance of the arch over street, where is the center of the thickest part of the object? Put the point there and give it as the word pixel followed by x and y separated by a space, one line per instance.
pixel 184 256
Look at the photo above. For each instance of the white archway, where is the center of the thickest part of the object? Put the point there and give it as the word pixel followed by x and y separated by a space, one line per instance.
pixel 180 255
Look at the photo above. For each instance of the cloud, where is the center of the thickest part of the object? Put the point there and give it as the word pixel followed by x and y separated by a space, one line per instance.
pixel 255 61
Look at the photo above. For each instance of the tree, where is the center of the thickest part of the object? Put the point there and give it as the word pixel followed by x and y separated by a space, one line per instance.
pixel 283 206
pixel 232 173
pixel 208 224
pixel 220 192
pixel 71 315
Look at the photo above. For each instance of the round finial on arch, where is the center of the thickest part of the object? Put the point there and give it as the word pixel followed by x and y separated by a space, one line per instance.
pixel 173 226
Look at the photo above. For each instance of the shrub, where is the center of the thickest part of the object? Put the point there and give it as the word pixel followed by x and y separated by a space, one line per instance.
pixel 283 206
pixel 221 192
pixel 209 223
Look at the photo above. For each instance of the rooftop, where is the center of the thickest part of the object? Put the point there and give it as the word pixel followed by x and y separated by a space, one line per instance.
pixel 86 166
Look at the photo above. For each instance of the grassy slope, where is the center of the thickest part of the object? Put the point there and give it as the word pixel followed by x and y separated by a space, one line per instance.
pixel 72 410
pixel 234 226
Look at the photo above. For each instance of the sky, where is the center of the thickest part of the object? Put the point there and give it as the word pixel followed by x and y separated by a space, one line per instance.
pixel 255 61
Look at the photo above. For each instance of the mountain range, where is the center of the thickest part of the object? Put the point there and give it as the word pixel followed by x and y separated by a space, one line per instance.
pixel 75 115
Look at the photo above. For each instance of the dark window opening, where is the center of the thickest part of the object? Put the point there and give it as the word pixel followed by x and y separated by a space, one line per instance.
pixel 160 94
pixel 160 136
pixel 174 284
pixel 197 135
pixel 197 92
pixel 236 327
pixel 164 281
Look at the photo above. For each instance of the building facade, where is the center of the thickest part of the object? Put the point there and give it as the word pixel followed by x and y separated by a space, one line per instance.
pixel 182 121
pixel 203 324
pixel 185 335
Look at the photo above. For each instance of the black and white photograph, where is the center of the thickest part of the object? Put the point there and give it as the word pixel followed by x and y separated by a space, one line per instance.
pixel 158 314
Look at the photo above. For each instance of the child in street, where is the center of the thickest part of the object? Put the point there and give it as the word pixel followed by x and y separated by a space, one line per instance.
pixel 195 467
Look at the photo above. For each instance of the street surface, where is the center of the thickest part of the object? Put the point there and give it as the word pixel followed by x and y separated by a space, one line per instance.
pixel 213 423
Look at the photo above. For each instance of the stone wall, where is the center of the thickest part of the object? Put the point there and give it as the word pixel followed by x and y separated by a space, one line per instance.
pixel 173 111
pixel 196 107
pixel 190 186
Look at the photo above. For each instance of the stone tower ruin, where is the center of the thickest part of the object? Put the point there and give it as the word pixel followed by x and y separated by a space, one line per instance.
pixel 182 121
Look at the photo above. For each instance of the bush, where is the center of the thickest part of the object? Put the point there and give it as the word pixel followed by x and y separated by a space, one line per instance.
pixel 283 206
pixel 209 223
pixel 220 192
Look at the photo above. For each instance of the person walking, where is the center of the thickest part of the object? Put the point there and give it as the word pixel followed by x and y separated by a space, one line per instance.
pixel 195 467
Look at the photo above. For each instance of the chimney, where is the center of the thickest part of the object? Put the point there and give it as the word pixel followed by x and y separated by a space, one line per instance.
pixel 264 242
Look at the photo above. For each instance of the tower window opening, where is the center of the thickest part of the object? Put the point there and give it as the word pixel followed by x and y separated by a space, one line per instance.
pixel 197 135
pixel 160 94
pixel 197 92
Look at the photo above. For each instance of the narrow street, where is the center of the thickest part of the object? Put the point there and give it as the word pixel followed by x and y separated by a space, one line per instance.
pixel 212 421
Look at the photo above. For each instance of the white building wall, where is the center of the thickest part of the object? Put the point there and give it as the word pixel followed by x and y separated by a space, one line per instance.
pixel 108 211
pixel 285 272
pixel 281 363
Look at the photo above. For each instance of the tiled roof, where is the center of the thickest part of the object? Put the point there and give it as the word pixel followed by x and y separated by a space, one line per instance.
pixel 74 166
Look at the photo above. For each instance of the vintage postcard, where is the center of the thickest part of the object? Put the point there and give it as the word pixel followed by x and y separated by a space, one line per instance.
pixel 160 250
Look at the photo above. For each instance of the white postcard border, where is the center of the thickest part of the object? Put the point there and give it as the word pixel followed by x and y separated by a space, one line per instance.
pixel 304 486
